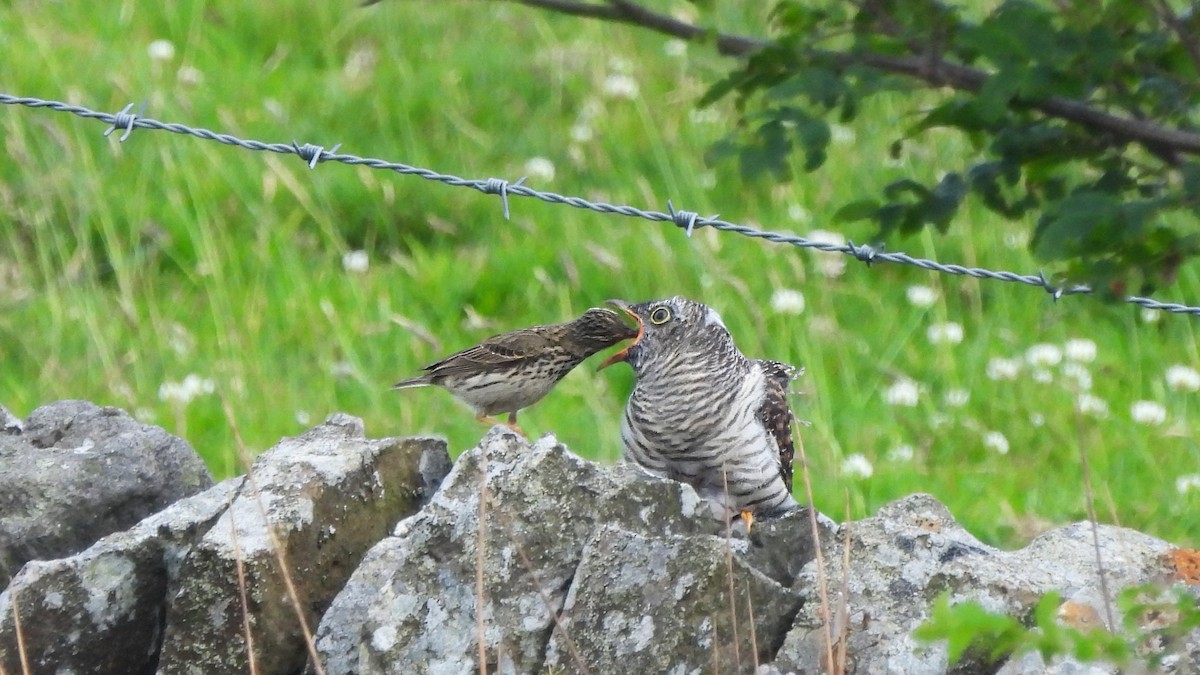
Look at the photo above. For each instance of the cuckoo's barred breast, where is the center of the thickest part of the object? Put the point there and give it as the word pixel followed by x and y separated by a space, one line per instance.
pixel 703 413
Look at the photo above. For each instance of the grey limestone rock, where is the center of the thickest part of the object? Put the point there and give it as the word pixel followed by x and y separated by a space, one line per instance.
pixel 326 497
pixel 101 610
pixel 76 472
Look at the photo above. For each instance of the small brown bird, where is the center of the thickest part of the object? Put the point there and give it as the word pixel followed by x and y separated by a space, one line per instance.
pixel 703 413
pixel 511 371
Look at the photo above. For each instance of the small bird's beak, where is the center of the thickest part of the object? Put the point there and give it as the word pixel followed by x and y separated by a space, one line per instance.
pixel 641 329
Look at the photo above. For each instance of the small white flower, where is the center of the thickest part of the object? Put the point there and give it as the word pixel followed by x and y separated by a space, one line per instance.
pixel 841 134
pixel 620 85
pixel 901 453
pixel 1043 355
pixel 1148 412
pixel 857 466
pixel 1003 369
pixel 675 48
pixel 957 398
pixel 704 115
pixel 1016 239
pixel 161 50
pixel 356 262
pixel 948 333
pixel 921 296
pixel 1092 406
pixel 183 392
pixel 1151 315
pixel 303 418
pixel 540 168
pixel 189 75
pixel 799 214
pixel 1080 350
pixel 1183 378
pixel 994 440
pixel 582 133
pixel 1187 483
pixel 1078 373
pixel 903 392
pixel 787 301
pixel 829 264
pixel 1041 375
pixel 1037 419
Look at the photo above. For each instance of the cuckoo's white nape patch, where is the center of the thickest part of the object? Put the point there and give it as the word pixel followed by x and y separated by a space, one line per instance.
pixel 711 317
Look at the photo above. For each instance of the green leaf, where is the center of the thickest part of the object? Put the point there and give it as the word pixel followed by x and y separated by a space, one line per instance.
pixel 861 209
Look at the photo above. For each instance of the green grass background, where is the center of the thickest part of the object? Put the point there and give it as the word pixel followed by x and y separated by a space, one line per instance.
pixel 127 266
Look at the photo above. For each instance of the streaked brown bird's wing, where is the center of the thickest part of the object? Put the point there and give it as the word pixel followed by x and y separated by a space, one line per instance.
pixel 776 414
pixel 496 350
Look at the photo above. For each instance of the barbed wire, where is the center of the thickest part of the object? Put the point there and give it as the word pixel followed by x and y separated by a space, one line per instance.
pixel 688 221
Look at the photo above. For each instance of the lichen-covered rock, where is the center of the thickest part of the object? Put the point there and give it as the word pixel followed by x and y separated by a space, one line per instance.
pixel 326 497
pixel 668 604
pixel 912 551
pixel 74 472
pixel 413 606
pixel 101 610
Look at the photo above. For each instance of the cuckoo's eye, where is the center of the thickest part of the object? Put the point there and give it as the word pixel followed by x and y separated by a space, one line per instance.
pixel 660 315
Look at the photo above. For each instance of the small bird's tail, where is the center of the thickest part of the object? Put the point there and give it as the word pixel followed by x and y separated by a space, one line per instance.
pixel 418 381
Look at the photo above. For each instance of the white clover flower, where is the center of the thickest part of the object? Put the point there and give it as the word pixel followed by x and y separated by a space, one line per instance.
pixel 1003 369
pixel 829 264
pixel 189 75
pixel 921 296
pixel 903 392
pixel 857 466
pixel 948 333
pixel 675 48
pixel 356 262
pixel 183 392
pixel 1092 406
pixel 787 301
pixel 303 418
pixel 1080 350
pixel 704 115
pixel 1016 239
pixel 161 50
pixel 1079 374
pixel 540 168
pixel 582 133
pixel 1148 413
pixel 1041 375
pixel 1183 378
pixel 1187 483
pixel 1043 355
pixel 1150 315
pixel 901 453
pixel 842 134
pixel 620 85
pixel 957 398
pixel 799 214
pixel 994 440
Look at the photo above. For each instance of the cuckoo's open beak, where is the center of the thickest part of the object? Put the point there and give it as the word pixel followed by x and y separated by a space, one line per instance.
pixel 641 328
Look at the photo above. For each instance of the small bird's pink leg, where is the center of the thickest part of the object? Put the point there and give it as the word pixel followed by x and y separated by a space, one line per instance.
pixel 511 423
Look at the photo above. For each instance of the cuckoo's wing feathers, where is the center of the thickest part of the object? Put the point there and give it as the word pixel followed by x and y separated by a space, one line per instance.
pixel 776 414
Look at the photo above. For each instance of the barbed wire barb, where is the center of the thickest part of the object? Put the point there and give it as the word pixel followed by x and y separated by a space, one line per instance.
pixel 499 186
pixel 125 120
pixel 686 220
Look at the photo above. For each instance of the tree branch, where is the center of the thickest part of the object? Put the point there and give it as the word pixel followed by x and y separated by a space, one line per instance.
pixel 935 72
